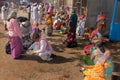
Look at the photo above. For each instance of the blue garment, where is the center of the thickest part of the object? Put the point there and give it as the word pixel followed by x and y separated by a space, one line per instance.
pixel 109 70
pixel 73 20
pixel 99 35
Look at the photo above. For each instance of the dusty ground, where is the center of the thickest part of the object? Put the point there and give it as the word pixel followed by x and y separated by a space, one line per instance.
pixel 64 67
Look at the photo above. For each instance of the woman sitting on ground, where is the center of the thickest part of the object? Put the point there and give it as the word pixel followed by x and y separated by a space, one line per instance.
pixel 101 56
pixel 96 36
pixel 70 41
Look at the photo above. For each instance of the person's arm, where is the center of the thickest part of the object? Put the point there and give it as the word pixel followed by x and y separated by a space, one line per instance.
pixel 42 47
pixel 32 46
pixel 92 34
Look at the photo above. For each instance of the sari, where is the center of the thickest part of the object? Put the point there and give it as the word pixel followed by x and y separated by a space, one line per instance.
pixel 96 73
pixel 16 46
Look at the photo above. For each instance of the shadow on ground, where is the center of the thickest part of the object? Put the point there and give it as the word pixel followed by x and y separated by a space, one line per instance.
pixel 58 48
pixel 56 60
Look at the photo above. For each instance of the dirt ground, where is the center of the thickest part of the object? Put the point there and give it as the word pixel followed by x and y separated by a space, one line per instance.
pixel 64 67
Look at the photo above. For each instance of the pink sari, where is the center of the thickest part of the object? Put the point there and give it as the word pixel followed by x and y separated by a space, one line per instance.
pixel 16 46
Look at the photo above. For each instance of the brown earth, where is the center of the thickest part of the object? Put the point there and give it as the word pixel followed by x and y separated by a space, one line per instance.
pixel 64 67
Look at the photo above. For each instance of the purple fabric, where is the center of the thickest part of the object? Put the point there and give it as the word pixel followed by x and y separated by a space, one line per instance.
pixel 35 29
pixel 70 38
pixel 16 47
pixel 67 8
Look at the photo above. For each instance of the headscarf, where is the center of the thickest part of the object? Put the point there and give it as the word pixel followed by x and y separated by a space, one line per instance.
pixel 12 14
pixel 35 24
pixel 67 8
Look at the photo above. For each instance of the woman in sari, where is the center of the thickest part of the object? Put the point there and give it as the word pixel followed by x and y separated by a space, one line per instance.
pixel 73 22
pixel 49 24
pixel 101 19
pixel 15 35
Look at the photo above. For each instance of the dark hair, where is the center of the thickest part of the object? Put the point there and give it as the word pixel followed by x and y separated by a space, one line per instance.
pixel 34 36
pixel 64 24
pixel 92 28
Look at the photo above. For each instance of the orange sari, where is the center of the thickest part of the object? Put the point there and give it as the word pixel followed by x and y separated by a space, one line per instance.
pixel 97 72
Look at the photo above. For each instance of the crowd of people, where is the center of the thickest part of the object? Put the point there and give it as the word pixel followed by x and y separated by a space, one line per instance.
pixel 24 37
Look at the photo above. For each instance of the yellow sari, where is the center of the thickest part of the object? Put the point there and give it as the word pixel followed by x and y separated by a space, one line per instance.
pixel 97 72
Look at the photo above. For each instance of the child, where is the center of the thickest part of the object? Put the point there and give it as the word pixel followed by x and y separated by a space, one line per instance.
pixel 35 28
pixel 63 28
pixel 58 24
pixel 86 33
pixel 41 47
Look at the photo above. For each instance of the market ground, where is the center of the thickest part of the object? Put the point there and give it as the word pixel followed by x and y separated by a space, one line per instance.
pixel 64 67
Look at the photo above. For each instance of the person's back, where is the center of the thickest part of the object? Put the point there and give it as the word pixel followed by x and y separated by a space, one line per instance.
pixel 13 28
pixel 73 20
